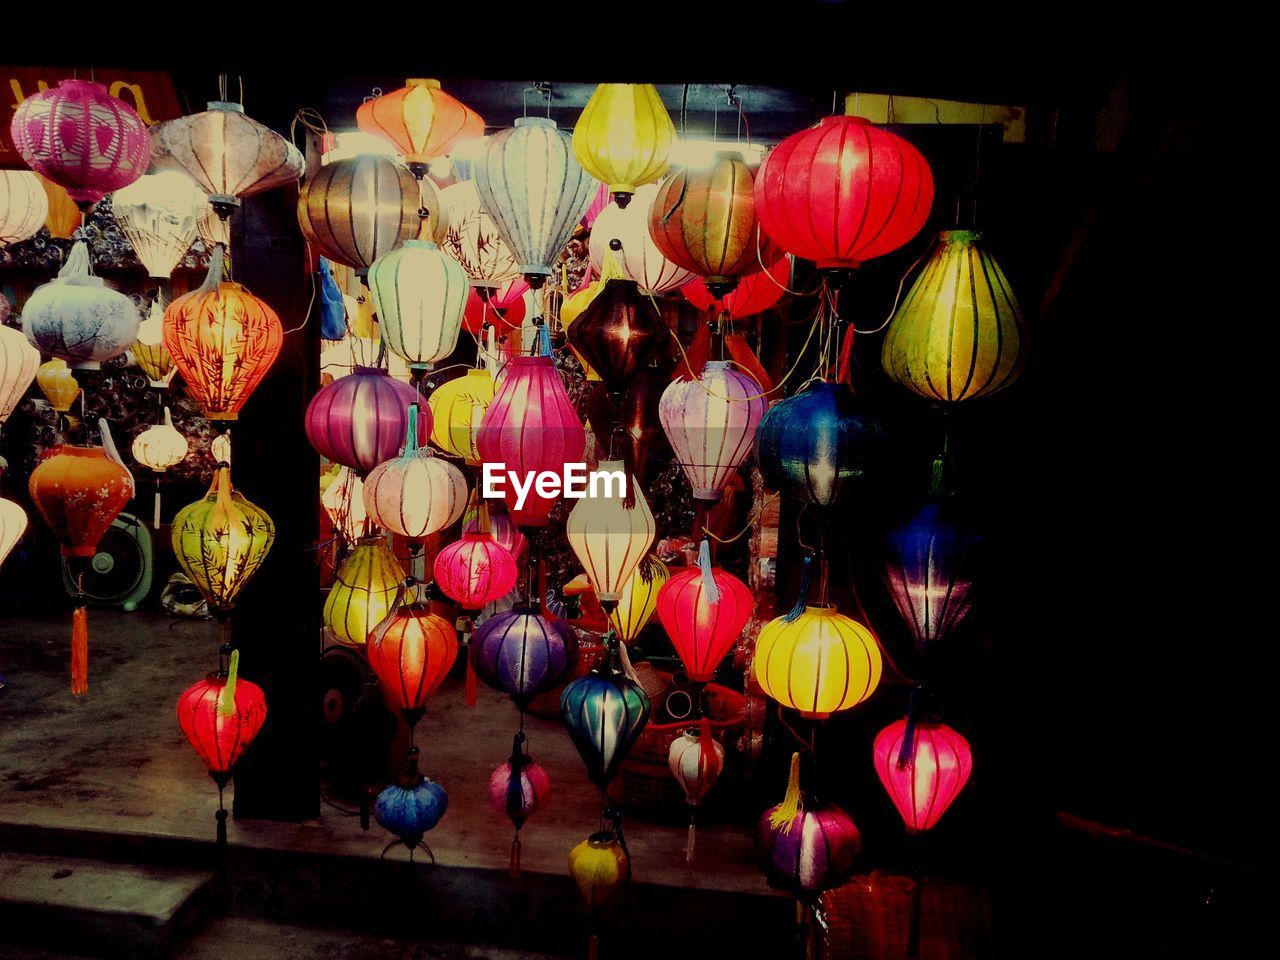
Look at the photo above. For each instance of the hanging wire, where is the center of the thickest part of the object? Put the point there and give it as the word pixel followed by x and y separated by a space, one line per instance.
pixel 898 296
pixel 750 523
pixel 312 120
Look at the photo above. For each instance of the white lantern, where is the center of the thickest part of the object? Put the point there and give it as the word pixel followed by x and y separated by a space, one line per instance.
pixel 419 294
pixel 468 234
pixel 637 254
pixel 213 230
pixel 158 213
pixel 220 449
pixel 18 364
pixel 149 350
pixel 609 537
pixel 161 446
pixel 13 523
pixel 416 493
pixel 23 206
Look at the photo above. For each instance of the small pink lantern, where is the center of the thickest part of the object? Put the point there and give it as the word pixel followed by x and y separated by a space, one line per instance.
pixel 475 570
pixel 519 788
pixel 82 138
pixel 360 420
pixel 923 767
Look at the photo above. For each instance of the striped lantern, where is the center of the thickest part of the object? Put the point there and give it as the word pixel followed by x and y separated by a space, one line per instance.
pixel 619 334
pixel 356 210
pixel 419 294
pixel 13 524
pixel 639 599
pixel 82 138
pixel 19 361
pixel 535 190
pixel 610 533
pixel 342 497
pixel 625 231
pixel 23 206
pixel 923 766
pixel 411 652
pixel 501 526
pixel 605 712
pixel 359 420
pixel 929 569
pixel 711 423
pixel 817 850
pixel 522 653
pixel 421 121
pixel 819 663
pixel 702 620
pixel 457 408
pixel 624 137
pixel 149 351
pixel 157 213
pixel 475 570
pixel 959 333
pixel 519 788
pixel 364 588
pixel 415 494
pixel 466 232
pixel 78 318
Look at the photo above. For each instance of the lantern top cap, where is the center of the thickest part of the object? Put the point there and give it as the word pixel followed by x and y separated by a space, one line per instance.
pixel 417 244
pixel 729 155
pixel 841 118
pixel 822 609
pixel 371 540
pixel 959 236
pixel 602 840
pixel 523 360
pixel 419 82
pixel 226 106
pixel 376 371
pixel 76 84
pixel 535 122
pixel 76 450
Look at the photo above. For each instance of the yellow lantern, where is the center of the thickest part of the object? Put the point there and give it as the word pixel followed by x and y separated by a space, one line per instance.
pixel 23 206
pixel 456 408
pixel 363 591
pixel 600 867
pixel 342 496
pixel 610 533
pixel 624 137
pixel 149 350
pixel 19 361
pixel 161 446
pixel 959 333
pixel 639 599
pixel 13 523
pixel 64 214
pixel 58 384
pixel 820 663
pixel 157 213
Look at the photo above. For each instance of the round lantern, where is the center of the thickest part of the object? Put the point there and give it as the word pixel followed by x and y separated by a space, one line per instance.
pixel 161 446
pixel 411 652
pixel 923 766
pixel 619 333
pixel 482 310
pixel 843 192
pixel 220 542
pixel 500 525
pixel 522 653
pixel 19 362
pixel 363 591
pixel 149 350
pixel 817 850
pixel 226 153
pixel 929 568
pixel 636 412
pixel 600 867
pixel 475 570
pixel 64 217
pixel 78 318
pixel 605 712
pixel 519 788
pixel 220 716
pixel 23 206
pixel 535 190
pixel 360 420
pixel 624 136
pixel 711 423
pixel 457 408
pixel 639 600
pixel 610 531
pixel 421 121
pixel 625 230
pixel 58 384
pixel 412 805
pixel 342 497
pixel 755 292
pixel 959 333
pixel 531 426
pixel 704 616
pixel 819 663
pixel 157 213
pixel 415 494
pixel 466 232
pixel 13 523
pixel 82 138
pixel 419 294
pixel 79 491
pixel 814 444
pixel 356 210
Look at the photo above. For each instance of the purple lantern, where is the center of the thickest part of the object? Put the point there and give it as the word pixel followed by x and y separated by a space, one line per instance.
pixel 360 420
pixel 522 653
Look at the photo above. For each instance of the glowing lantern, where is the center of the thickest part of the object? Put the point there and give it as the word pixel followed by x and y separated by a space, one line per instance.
pixel 81 138
pixel 600 867
pixel 923 766
pixel 755 292
pixel 458 408
pixel 842 192
pixel 411 806
pixel 356 210
pixel 78 317
pixel 58 384
pixel 19 362
pixel 639 600
pixel 522 653
pixel 421 121
pixel 605 712
pixel 531 426
pixel 610 534
pixel 13 523
pixel 619 333
pixel 415 494
pixel 501 527
pixel 819 662
pixel 342 498
pixel 696 761
pixel 23 206
pixel 624 136
pixel 475 570
pixel 466 232
pixel 419 294
pixel 226 153
pixel 411 652
pixel 711 423
pixel 625 230
pixel 220 542
pixel 359 420
pixel 577 302
pixel 632 420
pixel 161 446
pixel 928 565
pixel 220 716
pixel 535 190
pixel 519 788
pixel 959 333
pixel 704 609
pixel 213 230
pixel 363 591
pixel 157 213
pixel 64 216
pixel 149 350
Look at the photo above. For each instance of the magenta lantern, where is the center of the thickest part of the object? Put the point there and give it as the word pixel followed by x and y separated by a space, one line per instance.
pixel 923 767
pixel 359 420
pixel 475 570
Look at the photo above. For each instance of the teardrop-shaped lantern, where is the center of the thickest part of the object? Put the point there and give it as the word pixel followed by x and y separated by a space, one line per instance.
pixel 149 350
pixel 605 713
pixel 79 491
pixel 639 600
pixel 411 652
pixel 13 524
pixel 475 570
pixel 221 736
pixel 610 530
pixel 19 361
pixel 58 384
pixel 354 211
pixel 360 420
pixel 466 232
pixel 420 120
pixel 157 213
pixel 363 591
pixel 704 622
pixel 819 663
pixel 959 333
pixel 415 494
pixel 619 333
pixel 923 766
pixel 623 137
pixel 419 294
pixel 457 408
pixel 535 190
pixel 929 568
pixel 23 206
pixel 625 232
pixel 755 292
pixel 522 653
pixel 160 446
pixel 411 806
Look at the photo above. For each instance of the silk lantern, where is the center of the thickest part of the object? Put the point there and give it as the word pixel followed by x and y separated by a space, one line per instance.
pixel 19 361
pixel 64 217
pixel 220 542
pixel 818 662
pixel 639 600
pixel 704 610
pixel 625 231
pixel 600 867
pixel 78 318
pixel 929 569
pixel 23 206
pixel 711 422
pixel 605 712
pixel 475 570
pixel 421 121
pixel 158 448
pixel 360 420
pixel 755 292
pixel 623 137
pixel 531 426
pixel 82 138
pixel 696 761
pixel 500 525
pixel 959 333
pixel 220 716
pixel 923 766
pixel 636 412
pixel 157 213
pixel 13 523
pixel 354 211
pixel 228 154
pixel 483 310
pixel 411 806
pixel 536 191
pixel 574 305
pixel 611 533
pixel 519 788
pixel 419 294
pixel 364 588
pixel 466 232
pixel 619 333
pixel 342 497
pixel 843 192
pixel 411 652
pixel 58 384
pixel 457 408
pixel 149 351
pixel 521 652
pixel 415 494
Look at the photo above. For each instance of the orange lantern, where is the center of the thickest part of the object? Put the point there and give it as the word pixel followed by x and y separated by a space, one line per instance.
pixel 421 121
pixel 64 216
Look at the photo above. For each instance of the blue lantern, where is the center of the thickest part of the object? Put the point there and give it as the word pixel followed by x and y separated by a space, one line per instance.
pixel 522 653
pixel 333 309
pixel 605 713
pixel 813 444
pixel 411 806
pixel 929 569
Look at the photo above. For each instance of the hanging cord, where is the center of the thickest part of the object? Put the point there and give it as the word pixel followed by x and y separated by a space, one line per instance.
pixel 772 279
pixel 898 296
pixel 750 523
pixel 312 120
pixel 311 302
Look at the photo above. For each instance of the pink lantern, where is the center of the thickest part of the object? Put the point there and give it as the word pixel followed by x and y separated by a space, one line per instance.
pixel 82 138
pixel 923 767
pixel 360 420
pixel 519 788
pixel 501 527
pixel 475 570
pixel 601 200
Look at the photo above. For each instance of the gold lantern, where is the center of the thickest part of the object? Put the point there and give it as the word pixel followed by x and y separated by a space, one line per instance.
pixel 58 384
pixel 610 533
pixel 149 350
pixel 624 137
pixel 639 600
pixel 819 663
pixel 363 590
pixel 356 210
pixel 457 407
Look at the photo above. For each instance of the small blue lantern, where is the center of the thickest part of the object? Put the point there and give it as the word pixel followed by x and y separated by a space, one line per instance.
pixel 929 569
pixel 411 806
pixel 604 713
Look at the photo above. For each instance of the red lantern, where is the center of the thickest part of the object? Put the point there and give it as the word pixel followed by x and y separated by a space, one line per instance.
pixel 754 293
pixel 843 192
pixel 475 570
pixel 703 609
pixel 924 767
pixel 411 652
pixel 506 313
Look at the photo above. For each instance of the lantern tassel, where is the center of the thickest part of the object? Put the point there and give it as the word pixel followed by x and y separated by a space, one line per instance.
pixel 710 591
pixel 227 697
pixel 785 813
pixel 844 372
pixel 80 651
pixel 706 753
pixel 513 868
pixel 625 659
pixel 544 340
pixel 742 354
pixel 907 752
pixel 802 600
pixel 593 947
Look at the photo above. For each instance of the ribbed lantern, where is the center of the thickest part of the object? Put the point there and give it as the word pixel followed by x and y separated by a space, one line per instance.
pixel 363 591
pixel 411 652
pixel 929 569
pixel 220 716
pixel 704 610
pixel 13 523
pixel 220 542
pixel 531 426
pixel 82 138
pixel 624 136
pixel 522 653
pixel 466 232
pixel 23 206
pixel 19 361
pixel 160 446
pixel 605 713
pixel 755 292
pixel 415 494
pixel 356 210
pixel 842 192
pixel 535 190
pixel 923 766
pixel 64 216
pixel 610 531
pixel 619 333
pixel 213 230
pixel 157 213
pixel 78 318
pixel 342 497
pixel 411 806
pixel 819 663
pixel 421 121
pixel 149 350
pixel 959 333
pixel 501 527
pixel 475 570
pixel 625 231
pixel 359 420
pixel 696 762
pixel 519 788
pixel 458 407
pixel 420 295
pixel 639 600
pixel 58 384
pixel 600 867
pixel 711 423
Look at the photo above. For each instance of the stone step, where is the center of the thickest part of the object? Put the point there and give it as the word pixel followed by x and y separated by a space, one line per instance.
pixel 99 908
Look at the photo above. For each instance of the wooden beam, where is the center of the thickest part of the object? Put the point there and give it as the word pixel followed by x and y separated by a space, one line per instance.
pixel 887 108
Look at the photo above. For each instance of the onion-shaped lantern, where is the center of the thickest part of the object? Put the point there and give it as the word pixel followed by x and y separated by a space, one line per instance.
pixel 519 788
pixel 619 333
pixel 58 384
pixel 929 568
pixel 149 350
pixel 923 766
pixel 457 408
pixel 600 867
pixel 419 294
pixel 639 600
pixel 78 318
pixel 704 610
pixel 522 653
pixel 421 121
pixel 819 662
pixel 364 588
pixel 475 570
pixel 535 190
pixel 220 716
pixel 411 806
pixel 610 531
pixel 360 420
pixel 624 136
pixel 13 524
pixel 959 333
pixel 466 232
pixel 160 446
pixel 411 652
pixel 23 206
pixel 625 231
pixel 755 292
pixel 356 210
pixel 415 494
pixel 157 213
pixel 81 138
pixel 605 712
pixel 19 361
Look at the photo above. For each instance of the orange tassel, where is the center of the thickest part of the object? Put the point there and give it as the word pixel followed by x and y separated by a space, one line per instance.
pixel 746 358
pixel 80 652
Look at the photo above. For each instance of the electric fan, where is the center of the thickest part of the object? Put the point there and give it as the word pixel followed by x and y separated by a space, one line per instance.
pixel 120 573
